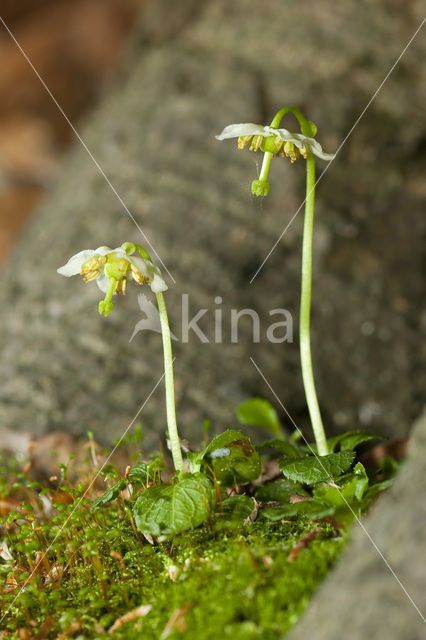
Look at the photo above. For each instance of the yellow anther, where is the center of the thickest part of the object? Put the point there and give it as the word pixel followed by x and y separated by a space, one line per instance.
pixel 304 152
pixel 278 144
pixel 123 286
pixel 137 276
pixel 243 141
pixel 255 143
pixel 123 265
pixel 91 275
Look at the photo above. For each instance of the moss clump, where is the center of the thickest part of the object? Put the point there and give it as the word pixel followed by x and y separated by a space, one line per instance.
pixel 236 583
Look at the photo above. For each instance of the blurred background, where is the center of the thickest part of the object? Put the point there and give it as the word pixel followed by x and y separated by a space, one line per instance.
pixel 148 84
pixel 76 47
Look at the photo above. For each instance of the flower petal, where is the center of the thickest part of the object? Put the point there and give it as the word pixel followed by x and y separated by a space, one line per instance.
pixel 158 285
pixel 73 266
pixel 150 271
pixel 316 149
pixel 243 129
pixel 103 282
pixel 103 251
pixel 299 140
pixel 287 136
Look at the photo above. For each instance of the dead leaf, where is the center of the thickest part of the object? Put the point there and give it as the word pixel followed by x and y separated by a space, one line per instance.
pixel 304 543
pixel 139 612
pixel 73 627
pixel 5 552
pixel 298 498
pixel 177 619
pixel 10 585
pixel 252 517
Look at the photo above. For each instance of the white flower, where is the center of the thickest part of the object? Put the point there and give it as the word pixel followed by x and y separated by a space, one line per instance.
pixel 247 130
pixel 105 264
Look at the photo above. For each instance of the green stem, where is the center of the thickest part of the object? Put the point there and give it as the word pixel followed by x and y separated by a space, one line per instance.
pixel 265 166
pixel 305 310
pixel 169 384
pixel 304 123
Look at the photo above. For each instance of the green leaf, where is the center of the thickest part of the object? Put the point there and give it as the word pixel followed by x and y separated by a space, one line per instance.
pixel 285 447
pixel 372 492
pixel 238 463
pixel 236 509
pixel 259 413
pixel 351 439
pixel 311 470
pixel 169 509
pixel 195 458
pixel 361 481
pixel 279 490
pixel 222 440
pixel 139 474
pixel 111 494
pixel 313 509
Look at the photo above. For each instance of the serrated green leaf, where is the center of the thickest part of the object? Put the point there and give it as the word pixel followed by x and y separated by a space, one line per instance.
pixel 222 440
pixel 351 439
pixel 311 470
pixel 279 490
pixel 258 412
pixel 281 445
pixel 239 463
pixel 169 509
pixel 236 509
pixel 313 509
pixel 139 474
pixel 110 494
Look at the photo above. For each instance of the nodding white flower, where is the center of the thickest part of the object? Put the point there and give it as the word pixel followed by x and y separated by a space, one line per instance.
pixel 111 269
pixel 276 141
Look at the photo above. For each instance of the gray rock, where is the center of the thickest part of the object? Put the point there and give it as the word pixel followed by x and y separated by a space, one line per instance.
pixel 194 68
pixel 364 597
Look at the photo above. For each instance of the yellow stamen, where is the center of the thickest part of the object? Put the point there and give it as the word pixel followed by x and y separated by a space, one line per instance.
pixel 255 143
pixel 243 141
pixel 91 275
pixel 137 276
pixel 278 144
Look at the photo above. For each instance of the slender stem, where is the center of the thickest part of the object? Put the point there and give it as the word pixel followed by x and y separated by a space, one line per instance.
pixel 303 121
pixel 305 310
pixel 265 166
pixel 170 389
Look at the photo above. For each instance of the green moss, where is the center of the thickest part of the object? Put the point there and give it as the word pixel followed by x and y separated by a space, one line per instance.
pixel 238 584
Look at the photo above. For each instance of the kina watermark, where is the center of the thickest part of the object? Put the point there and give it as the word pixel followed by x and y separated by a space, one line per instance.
pixel 218 324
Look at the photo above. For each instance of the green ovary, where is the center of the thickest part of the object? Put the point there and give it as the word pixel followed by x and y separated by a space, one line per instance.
pixel 116 267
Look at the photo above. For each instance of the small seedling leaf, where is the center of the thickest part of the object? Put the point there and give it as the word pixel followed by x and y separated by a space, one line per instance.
pixel 313 509
pixel 279 490
pixel 110 494
pixel 236 509
pixel 311 470
pixel 285 447
pixel 258 412
pixel 169 509
pixel 351 439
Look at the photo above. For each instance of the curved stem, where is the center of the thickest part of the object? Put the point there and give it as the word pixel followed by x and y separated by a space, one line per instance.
pixel 305 310
pixel 169 384
pixel 303 121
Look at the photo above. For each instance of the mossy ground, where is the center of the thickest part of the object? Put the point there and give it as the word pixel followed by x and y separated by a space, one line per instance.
pixel 218 583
